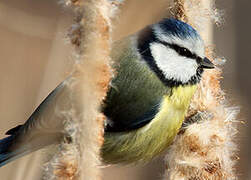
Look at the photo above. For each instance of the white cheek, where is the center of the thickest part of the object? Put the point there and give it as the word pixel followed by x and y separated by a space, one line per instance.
pixel 173 65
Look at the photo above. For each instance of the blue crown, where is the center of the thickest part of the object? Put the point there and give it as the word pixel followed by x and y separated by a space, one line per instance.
pixel 178 28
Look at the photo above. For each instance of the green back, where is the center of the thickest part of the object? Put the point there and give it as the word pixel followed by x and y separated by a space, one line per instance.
pixel 135 91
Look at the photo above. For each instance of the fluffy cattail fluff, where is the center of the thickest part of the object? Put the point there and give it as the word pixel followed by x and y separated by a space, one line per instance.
pixel 90 35
pixel 204 149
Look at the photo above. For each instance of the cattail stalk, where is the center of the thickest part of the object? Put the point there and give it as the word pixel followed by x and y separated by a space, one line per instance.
pixel 90 35
pixel 204 149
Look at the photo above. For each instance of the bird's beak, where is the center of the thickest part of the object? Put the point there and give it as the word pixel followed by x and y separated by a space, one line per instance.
pixel 207 64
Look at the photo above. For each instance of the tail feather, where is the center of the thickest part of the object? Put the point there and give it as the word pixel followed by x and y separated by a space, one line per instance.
pixel 11 156
pixel 7 151
pixel 12 147
pixel 5 154
pixel 6 158
pixel 5 144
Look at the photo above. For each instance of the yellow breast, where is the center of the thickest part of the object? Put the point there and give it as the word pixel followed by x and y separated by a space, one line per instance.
pixel 174 107
pixel 172 112
pixel 145 143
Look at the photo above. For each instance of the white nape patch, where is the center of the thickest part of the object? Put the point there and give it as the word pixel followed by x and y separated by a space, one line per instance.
pixel 194 44
pixel 173 65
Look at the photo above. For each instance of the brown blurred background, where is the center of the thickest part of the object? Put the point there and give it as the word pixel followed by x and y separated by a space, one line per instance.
pixel 34 58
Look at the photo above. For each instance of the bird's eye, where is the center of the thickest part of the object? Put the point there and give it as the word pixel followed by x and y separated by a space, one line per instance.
pixel 184 52
pixel 184 49
pixel 180 50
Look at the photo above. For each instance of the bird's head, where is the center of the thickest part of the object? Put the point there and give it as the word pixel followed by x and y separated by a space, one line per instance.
pixel 174 51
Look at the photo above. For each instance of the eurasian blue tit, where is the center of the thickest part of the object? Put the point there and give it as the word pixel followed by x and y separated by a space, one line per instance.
pixel 157 70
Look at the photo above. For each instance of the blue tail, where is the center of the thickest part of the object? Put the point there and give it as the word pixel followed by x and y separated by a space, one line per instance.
pixel 7 154
pixel 14 146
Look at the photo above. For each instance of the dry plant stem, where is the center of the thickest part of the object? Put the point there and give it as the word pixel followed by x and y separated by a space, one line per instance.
pixel 92 78
pixel 178 10
pixel 90 35
pixel 205 149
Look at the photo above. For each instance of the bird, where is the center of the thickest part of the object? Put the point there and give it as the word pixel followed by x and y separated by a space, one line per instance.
pixel 157 72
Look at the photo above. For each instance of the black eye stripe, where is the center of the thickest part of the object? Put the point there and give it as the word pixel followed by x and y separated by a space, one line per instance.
pixel 181 50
